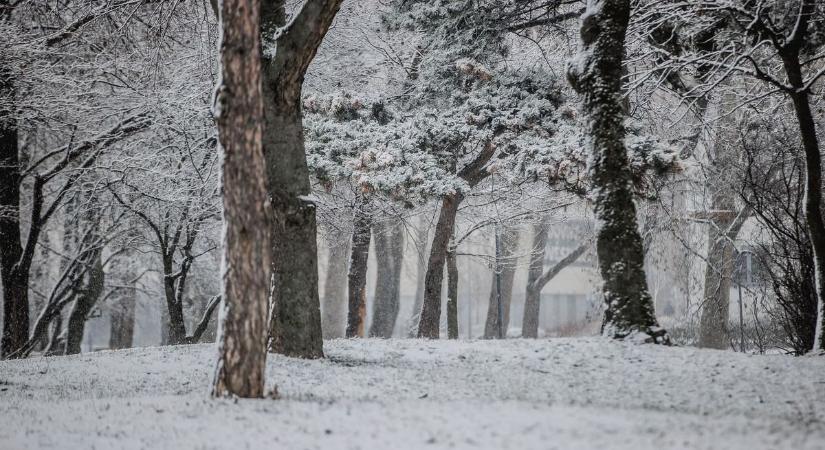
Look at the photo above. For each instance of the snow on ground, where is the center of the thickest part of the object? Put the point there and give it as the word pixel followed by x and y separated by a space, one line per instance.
pixel 415 394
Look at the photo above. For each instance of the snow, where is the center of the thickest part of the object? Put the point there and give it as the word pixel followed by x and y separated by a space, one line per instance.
pixel 400 394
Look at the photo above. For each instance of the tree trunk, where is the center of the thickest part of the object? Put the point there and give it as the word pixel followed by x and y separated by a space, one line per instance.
pixel 532 299
pixel 55 339
pixel 421 271
pixel 452 294
pixel 596 74
pixel 83 304
pixel 295 324
pixel 713 323
pixel 247 257
pixel 389 255
pixel 357 277
pixel 501 292
pixel 15 279
pixel 333 316
pixel 122 330
pixel 428 326
pixel 813 184
pixel 176 324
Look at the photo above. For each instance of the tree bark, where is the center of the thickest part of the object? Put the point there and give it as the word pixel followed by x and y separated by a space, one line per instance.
pixel 532 298
pixel 247 257
pixel 452 294
pixel 596 74
pixel 295 324
pixel 83 304
pixel 429 321
pixel 357 277
pixel 15 278
pixel 502 285
pixel 333 315
pixel 389 255
pixel 421 272
pixel 172 285
pixel 813 195
pixel 713 322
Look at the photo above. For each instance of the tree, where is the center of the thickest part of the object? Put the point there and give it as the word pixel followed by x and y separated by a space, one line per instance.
pixel 357 275
pixel 295 325
pixel 501 291
pixel 239 111
pixel 335 287
pixel 596 74
pixel 537 278
pixel 388 235
pixel 776 43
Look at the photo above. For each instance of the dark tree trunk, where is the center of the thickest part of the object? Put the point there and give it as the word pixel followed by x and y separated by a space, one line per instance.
pixel 333 315
pixel 452 294
pixel 357 277
pixel 295 325
pixel 122 330
pixel 247 247
pixel 596 75
pixel 501 292
pixel 15 277
pixel 532 299
pixel 389 256
pixel 473 173
pixel 173 290
pixel 84 302
pixel 429 322
pixel 813 182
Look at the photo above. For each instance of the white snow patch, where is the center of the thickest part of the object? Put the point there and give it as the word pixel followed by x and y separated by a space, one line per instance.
pixel 406 394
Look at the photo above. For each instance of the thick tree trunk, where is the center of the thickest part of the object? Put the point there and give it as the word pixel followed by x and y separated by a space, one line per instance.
pixel 532 299
pixel 596 74
pixel 83 304
pixel 295 325
pixel 357 277
pixel 429 322
pixel 389 256
pixel 452 294
pixel 501 291
pixel 247 255
pixel 121 334
pixel 15 278
pixel 333 315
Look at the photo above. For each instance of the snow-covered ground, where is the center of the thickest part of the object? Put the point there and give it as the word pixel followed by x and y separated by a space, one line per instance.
pixel 410 394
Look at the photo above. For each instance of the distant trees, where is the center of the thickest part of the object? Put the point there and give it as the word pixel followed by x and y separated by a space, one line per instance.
pixel 239 112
